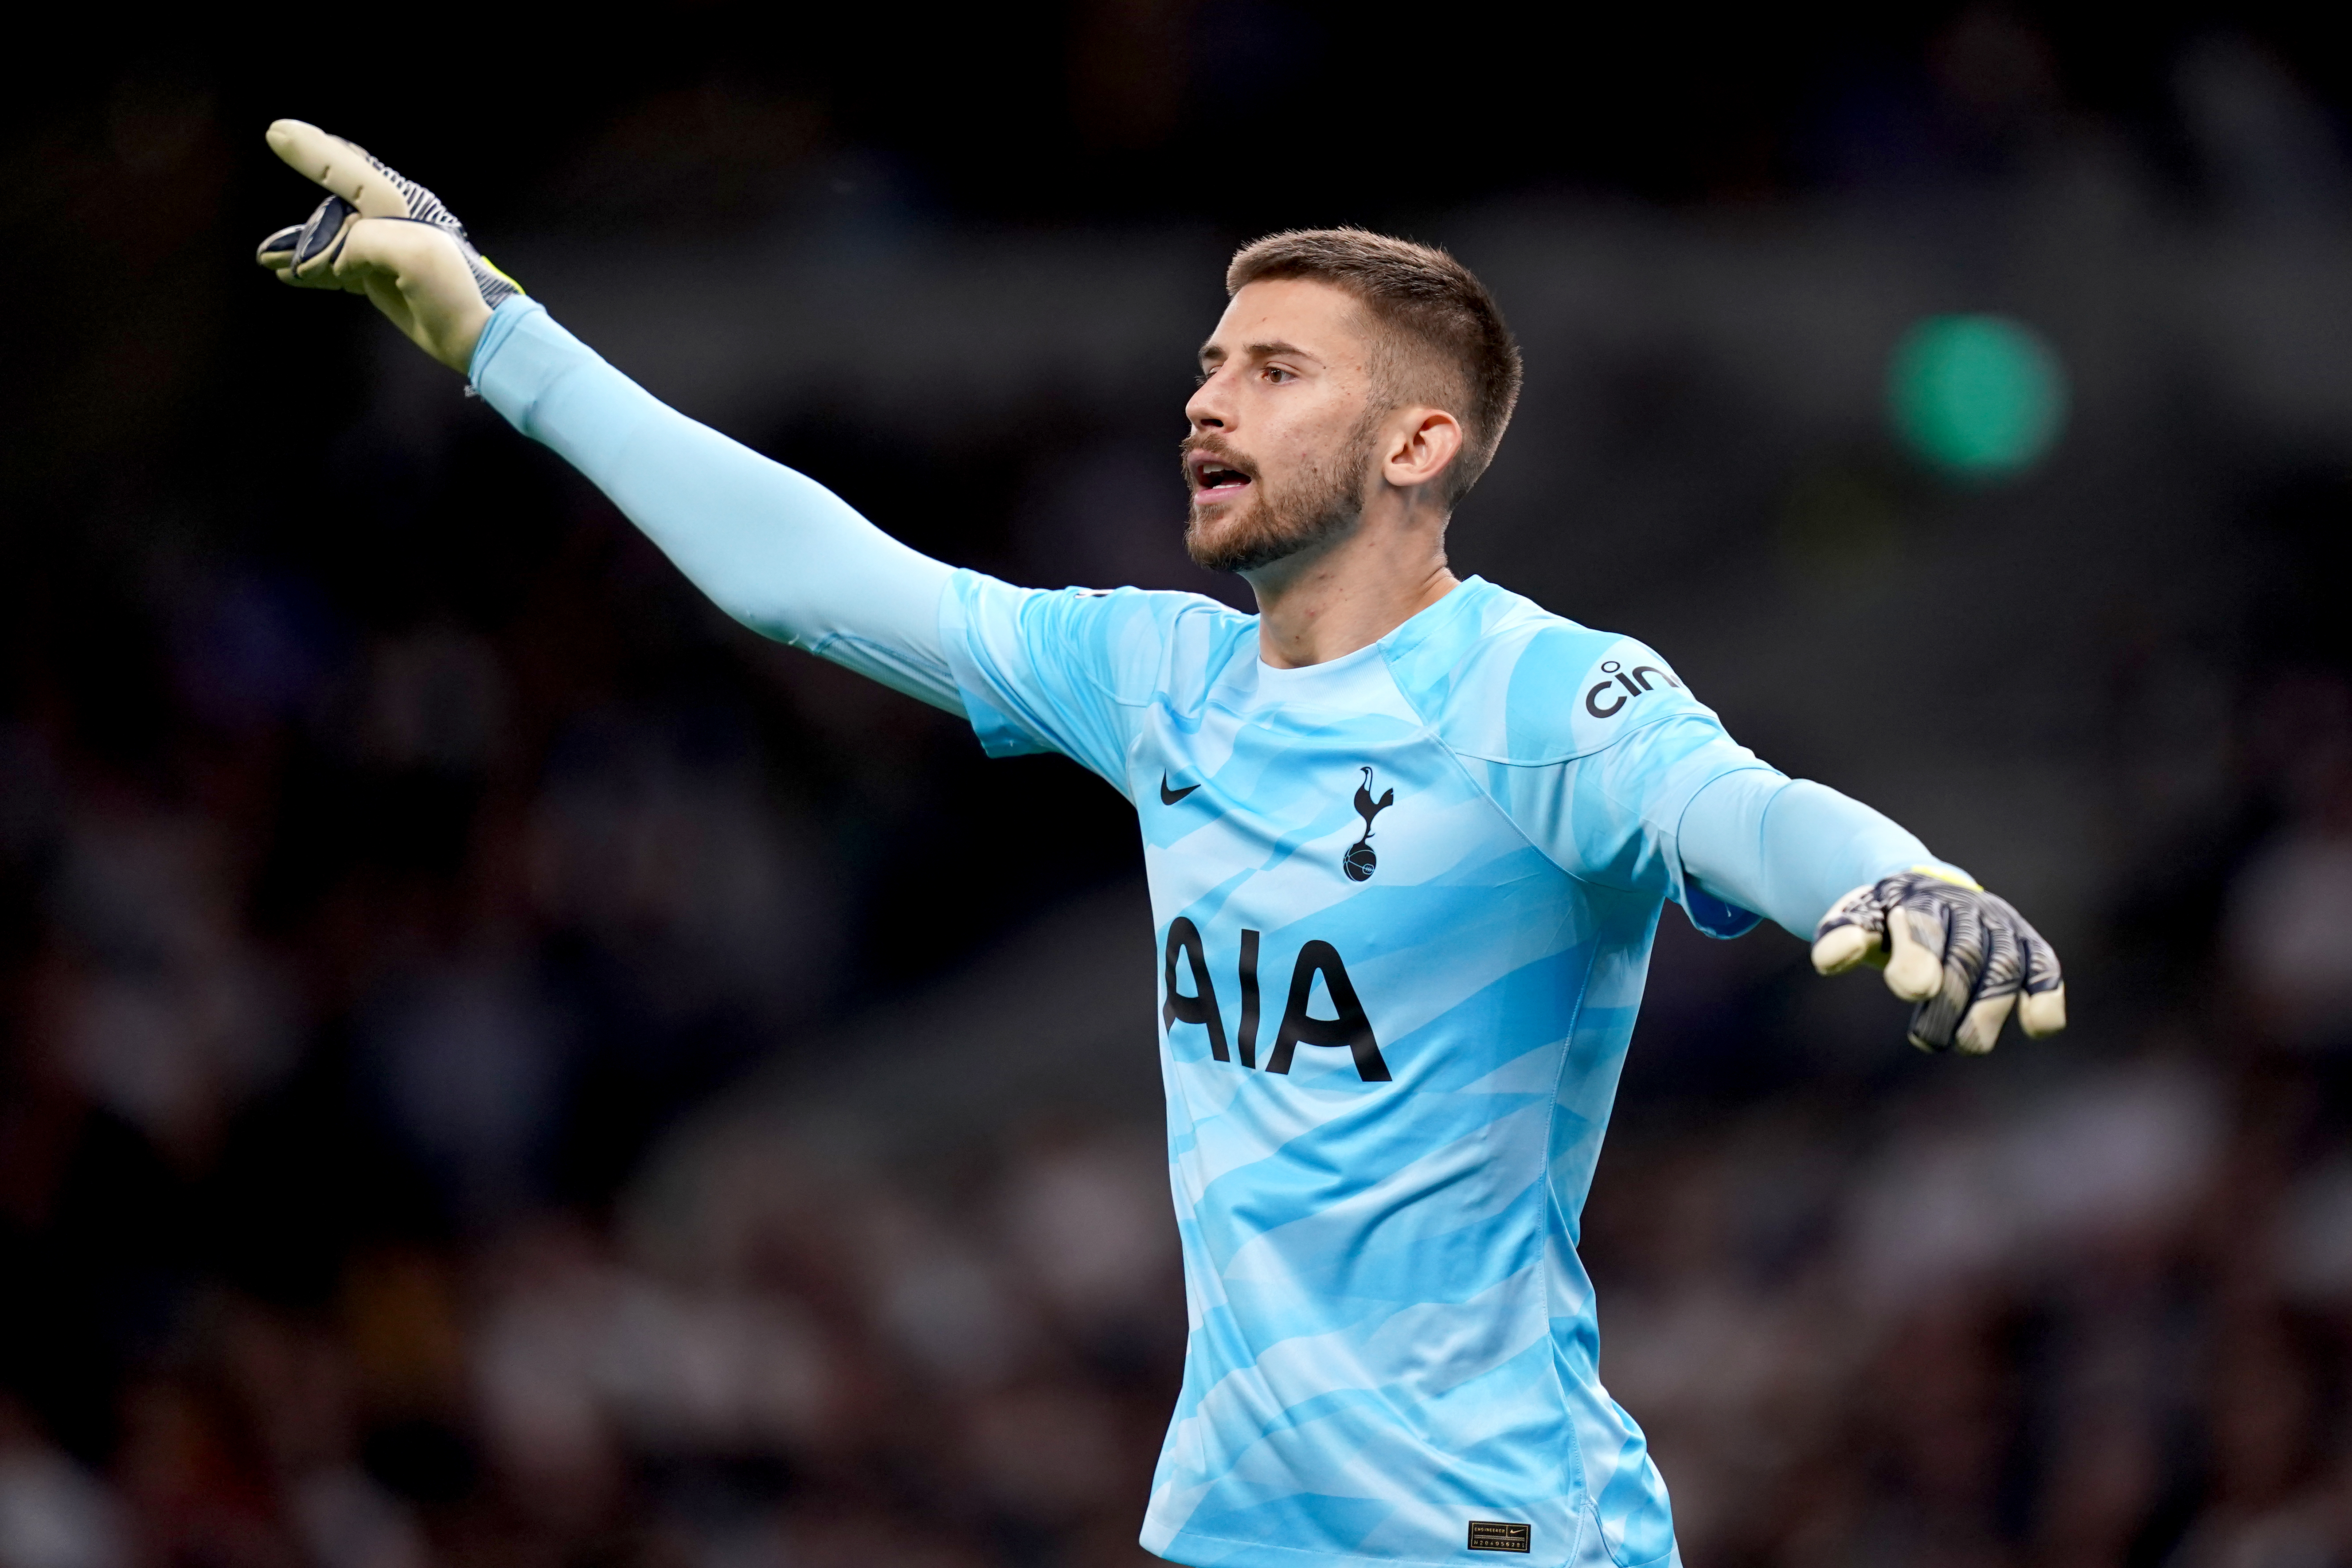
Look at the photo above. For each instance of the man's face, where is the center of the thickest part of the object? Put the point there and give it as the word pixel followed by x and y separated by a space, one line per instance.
pixel 1285 426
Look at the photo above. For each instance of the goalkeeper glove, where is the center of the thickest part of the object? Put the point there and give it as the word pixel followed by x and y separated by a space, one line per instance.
pixel 1965 956
pixel 387 237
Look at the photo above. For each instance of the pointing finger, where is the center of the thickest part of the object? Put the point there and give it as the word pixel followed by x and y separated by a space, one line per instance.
pixel 341 167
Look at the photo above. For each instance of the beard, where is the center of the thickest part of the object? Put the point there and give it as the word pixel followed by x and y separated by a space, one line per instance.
pixel 1322 501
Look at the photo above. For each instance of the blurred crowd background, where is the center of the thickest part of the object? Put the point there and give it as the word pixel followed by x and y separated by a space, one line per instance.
pixel 504 1067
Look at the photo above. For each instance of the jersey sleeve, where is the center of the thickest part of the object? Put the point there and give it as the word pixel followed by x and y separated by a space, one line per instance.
pixel 1790 848
pixel 1594 748
pixel 1074 670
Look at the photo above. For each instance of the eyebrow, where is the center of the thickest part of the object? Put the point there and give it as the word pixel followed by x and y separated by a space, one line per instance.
pixel 1260 350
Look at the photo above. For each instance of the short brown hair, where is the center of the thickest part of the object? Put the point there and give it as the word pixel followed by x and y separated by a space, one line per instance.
pixel 1427 298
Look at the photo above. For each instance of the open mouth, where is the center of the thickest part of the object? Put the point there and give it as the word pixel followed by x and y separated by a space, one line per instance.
pixel 1215 478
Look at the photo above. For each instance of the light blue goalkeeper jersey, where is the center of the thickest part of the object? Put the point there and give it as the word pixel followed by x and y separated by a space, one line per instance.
pixel 1404 902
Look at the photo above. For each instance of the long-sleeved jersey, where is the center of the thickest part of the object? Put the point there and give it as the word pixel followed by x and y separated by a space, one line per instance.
pixel 1404 901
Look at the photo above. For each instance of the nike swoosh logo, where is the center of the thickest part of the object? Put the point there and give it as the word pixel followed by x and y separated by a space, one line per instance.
pixel 1171 796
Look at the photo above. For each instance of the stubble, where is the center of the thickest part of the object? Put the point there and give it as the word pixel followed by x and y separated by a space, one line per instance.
pixel 1324 500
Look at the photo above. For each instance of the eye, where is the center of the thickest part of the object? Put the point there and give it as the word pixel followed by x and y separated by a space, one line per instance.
pixel 1277 374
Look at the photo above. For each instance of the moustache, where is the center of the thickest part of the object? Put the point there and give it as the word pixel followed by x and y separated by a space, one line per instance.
pixel 1208 444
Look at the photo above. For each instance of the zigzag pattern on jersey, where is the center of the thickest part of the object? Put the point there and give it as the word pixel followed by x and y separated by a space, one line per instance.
pixel 1391 1333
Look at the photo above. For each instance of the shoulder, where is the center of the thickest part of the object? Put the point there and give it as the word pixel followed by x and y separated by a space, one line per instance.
pixel 1132 641
pixel 1512 682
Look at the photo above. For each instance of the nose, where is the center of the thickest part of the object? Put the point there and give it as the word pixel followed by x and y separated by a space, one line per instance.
pixel 1206 408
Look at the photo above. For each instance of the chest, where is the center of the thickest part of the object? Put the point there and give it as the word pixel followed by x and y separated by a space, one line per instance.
pixel 1280 811
pixel 1334 877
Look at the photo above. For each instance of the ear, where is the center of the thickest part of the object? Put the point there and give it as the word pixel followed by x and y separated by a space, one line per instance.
pixel 1422 443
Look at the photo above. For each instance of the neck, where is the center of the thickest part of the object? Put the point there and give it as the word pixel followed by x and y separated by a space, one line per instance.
pixel 1353 589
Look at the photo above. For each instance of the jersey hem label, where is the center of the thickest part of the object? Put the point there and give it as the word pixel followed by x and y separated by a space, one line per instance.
pixel 1492 1535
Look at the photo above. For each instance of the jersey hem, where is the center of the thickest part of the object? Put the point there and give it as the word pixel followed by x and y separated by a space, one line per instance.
pixel 1224 1551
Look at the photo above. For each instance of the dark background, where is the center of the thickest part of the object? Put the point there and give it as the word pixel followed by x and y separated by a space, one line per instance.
pixel 504 1066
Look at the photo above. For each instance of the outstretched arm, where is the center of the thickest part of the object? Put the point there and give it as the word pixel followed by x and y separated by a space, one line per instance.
pixel 771 547
pixel 1865 890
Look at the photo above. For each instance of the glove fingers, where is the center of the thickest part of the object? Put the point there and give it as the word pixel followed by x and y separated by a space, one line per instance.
pixel 1980 1028
pixel 2040 1013
pixel 341 167
pixel 1935 1022
pixel 1915 938
pixel 318 244
pixel 1996 989
pixel 1849 933
pixel 1964 956
pixel 324 231
pixel 2043 1009
pixel 1842 947
pixel 277 252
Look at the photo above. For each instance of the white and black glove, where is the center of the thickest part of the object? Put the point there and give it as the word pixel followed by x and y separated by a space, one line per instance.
pixel 387 237
pixel 1966 957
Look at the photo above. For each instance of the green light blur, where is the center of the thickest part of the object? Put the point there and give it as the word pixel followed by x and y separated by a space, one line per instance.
pixel 1981 398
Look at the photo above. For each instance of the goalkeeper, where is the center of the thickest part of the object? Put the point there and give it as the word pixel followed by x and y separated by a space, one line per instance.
pixel 1407 839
